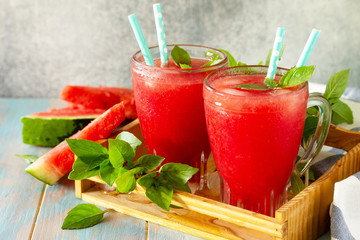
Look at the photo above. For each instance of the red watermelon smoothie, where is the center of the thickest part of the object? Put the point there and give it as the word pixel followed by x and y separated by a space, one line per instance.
pixel 254 135
pixel 170 107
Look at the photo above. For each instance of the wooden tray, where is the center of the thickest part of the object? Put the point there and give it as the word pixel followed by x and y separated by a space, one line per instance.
pixel 306 216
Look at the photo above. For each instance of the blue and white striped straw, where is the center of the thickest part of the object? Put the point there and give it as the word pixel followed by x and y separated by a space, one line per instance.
pixel 141 40
pixel 274 60
pixel 164 57
pixel 304 57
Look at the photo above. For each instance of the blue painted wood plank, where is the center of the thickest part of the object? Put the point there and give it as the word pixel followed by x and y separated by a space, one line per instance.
pixel 19 192
pixel 60 199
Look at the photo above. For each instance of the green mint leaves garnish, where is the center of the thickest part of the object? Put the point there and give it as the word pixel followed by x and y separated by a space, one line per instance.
pixel 181 57
pixel 83 216
pixel 232 61
pixel 292 78
pixel 296 76
pixel 116 165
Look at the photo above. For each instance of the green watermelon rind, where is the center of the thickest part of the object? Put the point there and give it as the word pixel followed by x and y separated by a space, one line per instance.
pixel 41 173
pixel 49 132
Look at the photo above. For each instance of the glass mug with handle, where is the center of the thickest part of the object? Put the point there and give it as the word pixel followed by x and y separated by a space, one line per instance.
pixel 170 107
pixel 255 135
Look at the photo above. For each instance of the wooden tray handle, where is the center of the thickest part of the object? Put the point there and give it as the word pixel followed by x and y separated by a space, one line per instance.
pixel 342 138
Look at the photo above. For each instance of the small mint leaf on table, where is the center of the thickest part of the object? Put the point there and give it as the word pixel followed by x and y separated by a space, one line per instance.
pixel 28 157
pixel 108 173
pixel 341 113
pixel 336 85
pixel 252 86
pixel 129 138
pixel 149 162
pixel 81 170
pixel 126 182
pixel 180 56
pixel 270 83
pixel 177 174
pixel 83 216
pixel 296 76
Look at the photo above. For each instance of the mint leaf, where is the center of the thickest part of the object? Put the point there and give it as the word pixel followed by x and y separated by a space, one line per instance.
pixel 126 182
pixel 125 150
pixel 252 86
pixel 336 85
pixel 147 180
pixel 83 216
pixel 177 174
pixel 270 83
pixel 91 153
pixel 81 170
pixel 310 126
pixel 296 76
pixel 184 66
pixel 28 157
pixel 149 162
pixel 232 61
pixel 260 63
pixel 212 55
pixel 85 148
pixel 297 184
pixel 180 56
pixel 214 62
pixel 108 173
pixel 129 138
pixel 115 156
pixel 160 195
pixel 341 112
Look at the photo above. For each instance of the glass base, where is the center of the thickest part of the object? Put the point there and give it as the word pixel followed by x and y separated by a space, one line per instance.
pixel 265 202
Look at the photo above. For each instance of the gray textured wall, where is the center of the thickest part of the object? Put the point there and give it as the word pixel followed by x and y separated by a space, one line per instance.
pixel 46 44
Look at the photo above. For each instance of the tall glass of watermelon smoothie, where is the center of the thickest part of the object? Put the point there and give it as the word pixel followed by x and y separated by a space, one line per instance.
pixel 170 106
pixel 255 135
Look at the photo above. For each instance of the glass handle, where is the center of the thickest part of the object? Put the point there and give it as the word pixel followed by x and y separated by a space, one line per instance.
pixel 322 129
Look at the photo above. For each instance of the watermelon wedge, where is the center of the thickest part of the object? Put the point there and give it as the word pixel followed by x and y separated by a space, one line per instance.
pixel 48 129
pixel 50 167
pixel 100 97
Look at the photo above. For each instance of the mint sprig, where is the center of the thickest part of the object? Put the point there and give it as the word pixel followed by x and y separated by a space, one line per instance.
pixel 292 78
pixel 116 165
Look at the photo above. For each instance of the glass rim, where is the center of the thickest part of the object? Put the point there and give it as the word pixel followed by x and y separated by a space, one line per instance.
pixel 138 54
pixel 218 73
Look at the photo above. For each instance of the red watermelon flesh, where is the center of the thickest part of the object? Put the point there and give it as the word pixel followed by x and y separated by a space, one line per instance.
pixel 99 98
pixel 68 112
pixel 50 167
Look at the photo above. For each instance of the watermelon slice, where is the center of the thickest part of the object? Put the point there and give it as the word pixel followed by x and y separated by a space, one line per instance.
pixel 100 97
pixel 48 129
pixel 56 163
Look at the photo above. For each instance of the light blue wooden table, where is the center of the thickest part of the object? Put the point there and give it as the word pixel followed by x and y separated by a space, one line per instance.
pixel 29 209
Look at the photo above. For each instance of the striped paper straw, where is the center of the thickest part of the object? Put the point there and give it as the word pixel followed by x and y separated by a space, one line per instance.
pixel 304 57
pixel 274 60
pixel 164 57
pixel 141 40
